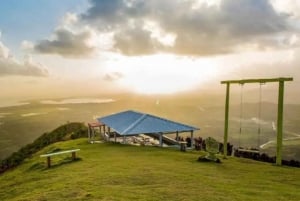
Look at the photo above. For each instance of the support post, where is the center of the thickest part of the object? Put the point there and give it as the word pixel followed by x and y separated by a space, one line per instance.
pixel 93 134
pixel 89 134
pixel 115 136
pixel 160 139
pixel 104 132
pixel 73 155
pixel 226 119
pixel 177 136
pixel 279 123
pixel 48 161
pixel 192 139
pixel 100 132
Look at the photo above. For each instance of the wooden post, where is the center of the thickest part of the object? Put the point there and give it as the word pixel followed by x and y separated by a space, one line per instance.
pixel 192 139
pixel 279 123
pixel 73 155
pixel 177 136
pixel 226 119
pixel 160 139
pixel 89 134
pixel 104 131
pixel 100 132
pixel 48 161
pixel 115 136
pixel 93 131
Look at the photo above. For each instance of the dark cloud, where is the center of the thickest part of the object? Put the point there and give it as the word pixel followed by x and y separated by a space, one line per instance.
pixel 135 41
pixel 106 13
pixel 110 14
pixel 205 30
pixel 252 18
pixel 67 44
pixel 10 66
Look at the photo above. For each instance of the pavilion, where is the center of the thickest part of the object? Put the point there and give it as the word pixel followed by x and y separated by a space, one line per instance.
pixel 131 123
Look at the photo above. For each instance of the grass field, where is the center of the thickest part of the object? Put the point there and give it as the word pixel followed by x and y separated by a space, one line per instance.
pixel 121 172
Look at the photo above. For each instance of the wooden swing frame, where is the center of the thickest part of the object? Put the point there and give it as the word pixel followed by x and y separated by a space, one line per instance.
pixel 281 81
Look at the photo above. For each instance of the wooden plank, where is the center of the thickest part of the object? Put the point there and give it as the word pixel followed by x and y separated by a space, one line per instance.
pixel 244 81
pixel 61 152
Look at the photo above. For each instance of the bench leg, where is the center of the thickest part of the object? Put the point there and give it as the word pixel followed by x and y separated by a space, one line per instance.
pixel 48 162
pixel 73 156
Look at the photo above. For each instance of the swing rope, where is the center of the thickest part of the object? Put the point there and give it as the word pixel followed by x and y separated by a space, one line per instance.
pixel 259 115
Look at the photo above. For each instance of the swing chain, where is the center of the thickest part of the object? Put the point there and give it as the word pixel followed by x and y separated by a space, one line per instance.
pixel 241 112
pixel 259 114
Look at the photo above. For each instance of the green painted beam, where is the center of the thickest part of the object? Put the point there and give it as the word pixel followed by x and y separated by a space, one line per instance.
pixel 244 81
pixel 226 119
pixel 279 123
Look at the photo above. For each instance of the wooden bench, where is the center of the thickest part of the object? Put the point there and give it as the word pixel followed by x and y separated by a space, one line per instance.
pixel 73 151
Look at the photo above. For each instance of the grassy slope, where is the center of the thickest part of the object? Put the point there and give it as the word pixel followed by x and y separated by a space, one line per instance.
pixel 120 172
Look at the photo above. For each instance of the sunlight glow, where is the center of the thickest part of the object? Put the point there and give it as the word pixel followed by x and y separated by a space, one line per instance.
pixel 164 74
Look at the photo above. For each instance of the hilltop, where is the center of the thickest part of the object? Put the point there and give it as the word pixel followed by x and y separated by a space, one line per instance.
pixel 107 171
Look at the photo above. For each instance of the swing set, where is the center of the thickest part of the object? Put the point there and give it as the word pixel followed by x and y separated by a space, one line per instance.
pixel 279 129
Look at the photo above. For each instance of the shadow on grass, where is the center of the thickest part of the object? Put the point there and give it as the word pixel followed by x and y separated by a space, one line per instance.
pixel 43 166
pixel 204 159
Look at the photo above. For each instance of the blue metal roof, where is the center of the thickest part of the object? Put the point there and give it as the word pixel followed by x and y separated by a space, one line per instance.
pixel 132 123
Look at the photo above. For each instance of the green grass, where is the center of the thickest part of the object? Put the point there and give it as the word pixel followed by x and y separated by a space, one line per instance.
pixel 122 172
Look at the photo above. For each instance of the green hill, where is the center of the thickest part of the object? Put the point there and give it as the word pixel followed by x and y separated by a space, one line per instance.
pixel 65 132
pixel 107 171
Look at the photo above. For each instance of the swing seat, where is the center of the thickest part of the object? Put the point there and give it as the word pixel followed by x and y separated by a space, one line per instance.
pixel 248 150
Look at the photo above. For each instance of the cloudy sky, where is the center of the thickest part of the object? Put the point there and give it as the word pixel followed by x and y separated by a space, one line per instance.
pixel 55 48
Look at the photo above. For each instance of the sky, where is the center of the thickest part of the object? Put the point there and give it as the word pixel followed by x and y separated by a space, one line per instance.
pixel 55 48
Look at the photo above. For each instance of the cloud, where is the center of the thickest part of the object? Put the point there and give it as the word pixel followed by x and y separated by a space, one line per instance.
pixel 198 30
pixel 135 41
pixel 4 51
pixel 27 45
pixel 288 6
pixel 66 43
pixel 10 66
pixel 183 27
